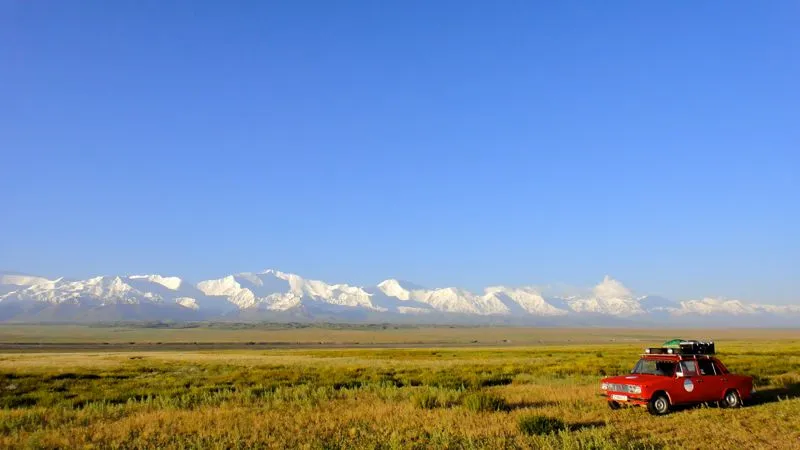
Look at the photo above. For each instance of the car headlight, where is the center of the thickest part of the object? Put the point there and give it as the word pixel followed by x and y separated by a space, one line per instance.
pixel 604 386
pixel 634 389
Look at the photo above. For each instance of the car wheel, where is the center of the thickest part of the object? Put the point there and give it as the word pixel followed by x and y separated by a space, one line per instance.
pixel 614 405
pixel 731 400
pixel 658 405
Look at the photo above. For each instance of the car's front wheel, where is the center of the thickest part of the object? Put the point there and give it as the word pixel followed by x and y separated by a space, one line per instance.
pixel 658 405
pixel 731 399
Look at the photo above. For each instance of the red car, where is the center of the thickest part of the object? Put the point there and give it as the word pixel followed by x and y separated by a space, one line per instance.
pixel 684 374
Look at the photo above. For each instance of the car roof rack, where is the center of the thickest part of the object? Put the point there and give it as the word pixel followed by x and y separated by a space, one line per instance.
pixel 683 347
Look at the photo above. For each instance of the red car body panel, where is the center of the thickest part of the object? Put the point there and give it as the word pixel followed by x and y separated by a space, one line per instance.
pixel 681 389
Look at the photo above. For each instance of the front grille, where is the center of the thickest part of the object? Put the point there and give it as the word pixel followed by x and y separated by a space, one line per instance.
pixel 617 387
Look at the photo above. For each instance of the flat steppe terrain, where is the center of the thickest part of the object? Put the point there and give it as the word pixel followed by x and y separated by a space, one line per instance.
pixel 383 386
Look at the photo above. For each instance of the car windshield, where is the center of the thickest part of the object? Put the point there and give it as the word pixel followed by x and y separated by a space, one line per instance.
pixel 654 367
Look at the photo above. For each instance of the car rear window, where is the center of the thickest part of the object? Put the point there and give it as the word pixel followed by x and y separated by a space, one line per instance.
pixel 689 368
pixel 706 367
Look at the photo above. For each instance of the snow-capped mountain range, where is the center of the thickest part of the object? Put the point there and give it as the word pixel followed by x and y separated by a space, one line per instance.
pixel 275 295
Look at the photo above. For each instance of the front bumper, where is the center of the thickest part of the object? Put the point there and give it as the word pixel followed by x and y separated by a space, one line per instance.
pixel 623 398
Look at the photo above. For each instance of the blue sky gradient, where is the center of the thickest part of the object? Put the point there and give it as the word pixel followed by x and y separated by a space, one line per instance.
pixel 448 142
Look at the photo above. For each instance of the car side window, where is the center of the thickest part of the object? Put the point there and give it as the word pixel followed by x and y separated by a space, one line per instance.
pixel 720 368
pixel 706 367
pixel 666 368
pixel 689 368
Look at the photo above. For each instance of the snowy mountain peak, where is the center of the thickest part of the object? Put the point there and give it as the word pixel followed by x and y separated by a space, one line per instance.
pixel 23 280
pixel 609 297
pixel 173 283
pixel 716 305
pixel 392 288
pixel 611 288
pixel 277 274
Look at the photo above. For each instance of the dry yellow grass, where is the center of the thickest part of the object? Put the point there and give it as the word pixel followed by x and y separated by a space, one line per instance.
pixel 376 398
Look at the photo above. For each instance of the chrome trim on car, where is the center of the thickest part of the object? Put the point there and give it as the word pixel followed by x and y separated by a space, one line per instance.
pixel 627 388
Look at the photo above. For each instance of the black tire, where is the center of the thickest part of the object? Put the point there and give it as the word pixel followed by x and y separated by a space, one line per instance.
pixel 658 405
pixel 614 404
pixel 731 399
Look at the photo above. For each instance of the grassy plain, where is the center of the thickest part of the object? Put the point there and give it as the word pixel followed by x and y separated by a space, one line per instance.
pixel 515 388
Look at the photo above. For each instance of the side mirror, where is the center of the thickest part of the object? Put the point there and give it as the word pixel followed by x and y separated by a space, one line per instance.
pixel 678 374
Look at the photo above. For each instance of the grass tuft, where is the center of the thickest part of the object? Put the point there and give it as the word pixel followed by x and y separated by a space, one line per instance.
pixel 483 401
pixel 537 425
pixel 432 397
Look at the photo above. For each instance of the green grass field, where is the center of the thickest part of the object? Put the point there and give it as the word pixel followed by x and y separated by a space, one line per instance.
pixel 538 389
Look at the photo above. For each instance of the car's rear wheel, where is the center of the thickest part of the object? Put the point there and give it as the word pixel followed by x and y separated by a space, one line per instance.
pixel 658 405
pixel 731 399
pixel 614 404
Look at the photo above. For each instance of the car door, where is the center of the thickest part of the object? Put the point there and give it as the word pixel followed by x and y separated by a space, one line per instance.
pixel 711 385
pixel 687 383
pixel 729 380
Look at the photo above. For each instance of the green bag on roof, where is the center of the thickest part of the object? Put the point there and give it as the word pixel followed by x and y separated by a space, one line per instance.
pixel 675 343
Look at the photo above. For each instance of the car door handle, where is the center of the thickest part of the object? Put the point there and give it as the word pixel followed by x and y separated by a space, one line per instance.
pixel 724 379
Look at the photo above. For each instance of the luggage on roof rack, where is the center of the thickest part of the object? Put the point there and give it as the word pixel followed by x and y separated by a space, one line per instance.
pixel 697 347
pixel 683 347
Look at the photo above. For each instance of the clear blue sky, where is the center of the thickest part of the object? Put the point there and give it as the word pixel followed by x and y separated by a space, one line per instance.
pixel 445 142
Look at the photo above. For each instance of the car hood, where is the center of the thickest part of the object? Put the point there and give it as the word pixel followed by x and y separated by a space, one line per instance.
pixel 638 379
